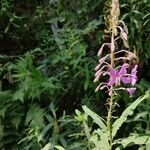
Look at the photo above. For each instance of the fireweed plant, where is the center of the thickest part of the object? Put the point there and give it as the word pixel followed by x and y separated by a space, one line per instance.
pixel 116 72
pixel 115 67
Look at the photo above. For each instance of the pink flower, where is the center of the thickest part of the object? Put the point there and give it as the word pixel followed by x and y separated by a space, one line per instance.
pixel 133 75
pixel 131 91
pixel 117 76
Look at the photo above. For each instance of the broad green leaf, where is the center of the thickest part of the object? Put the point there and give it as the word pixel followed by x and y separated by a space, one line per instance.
pixel 127 112
pixel 148 146
pixel 94 139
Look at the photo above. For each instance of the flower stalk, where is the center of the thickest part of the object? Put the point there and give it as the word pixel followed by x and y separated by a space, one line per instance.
pixel 109 126
pixel 115 64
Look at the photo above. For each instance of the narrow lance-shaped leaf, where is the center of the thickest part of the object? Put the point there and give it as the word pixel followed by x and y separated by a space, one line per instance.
pixel 128 112
pixel 47 146
pixel 133 139
pixel 97 119
pixel 58 147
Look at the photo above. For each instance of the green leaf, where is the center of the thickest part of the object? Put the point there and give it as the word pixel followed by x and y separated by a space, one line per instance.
pixel 86 84
pixel 19 95
pixel 127 112
pixel 7 28
pixel 47 147
pixel 35 116
pixel 101 136
pixel 96 118
pixel 104 139
pixel 3 111
pixel 59 147
pixel 1 131
pixel 45 130
pixel 87 130
pixel 79 116
pixel 132 140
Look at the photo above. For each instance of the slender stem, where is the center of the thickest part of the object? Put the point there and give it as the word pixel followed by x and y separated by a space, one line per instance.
pixel 114 14
pixel 109 125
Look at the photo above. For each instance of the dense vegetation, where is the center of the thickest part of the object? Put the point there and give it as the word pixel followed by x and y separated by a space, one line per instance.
pixel 48 52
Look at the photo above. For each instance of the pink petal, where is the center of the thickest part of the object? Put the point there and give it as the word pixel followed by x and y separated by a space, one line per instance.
pixel 113 75
pixel 123 69
pixel 133 80
pixel 125 80
pixel 111 81
pixel 131 91
pixel 134 70
pixel 113 72
pixel 133 75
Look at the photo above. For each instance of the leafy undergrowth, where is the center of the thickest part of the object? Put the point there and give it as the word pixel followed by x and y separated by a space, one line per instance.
pixel 47 58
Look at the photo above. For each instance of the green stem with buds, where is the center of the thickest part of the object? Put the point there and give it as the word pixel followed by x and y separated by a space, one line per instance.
pixel 109 126
pixel 110 109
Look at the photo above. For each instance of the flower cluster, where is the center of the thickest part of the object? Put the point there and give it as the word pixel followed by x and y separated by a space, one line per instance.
pixel 117 77
pixel 115 64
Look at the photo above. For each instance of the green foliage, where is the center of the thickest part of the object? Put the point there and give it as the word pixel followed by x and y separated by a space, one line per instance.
pixel 100 136
pixel 31 81
pixel 35 122
pixel 132 140
pixel 127 112
pixel 52 133
pixel 10 119
pixel 47 55
pixel 136 14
